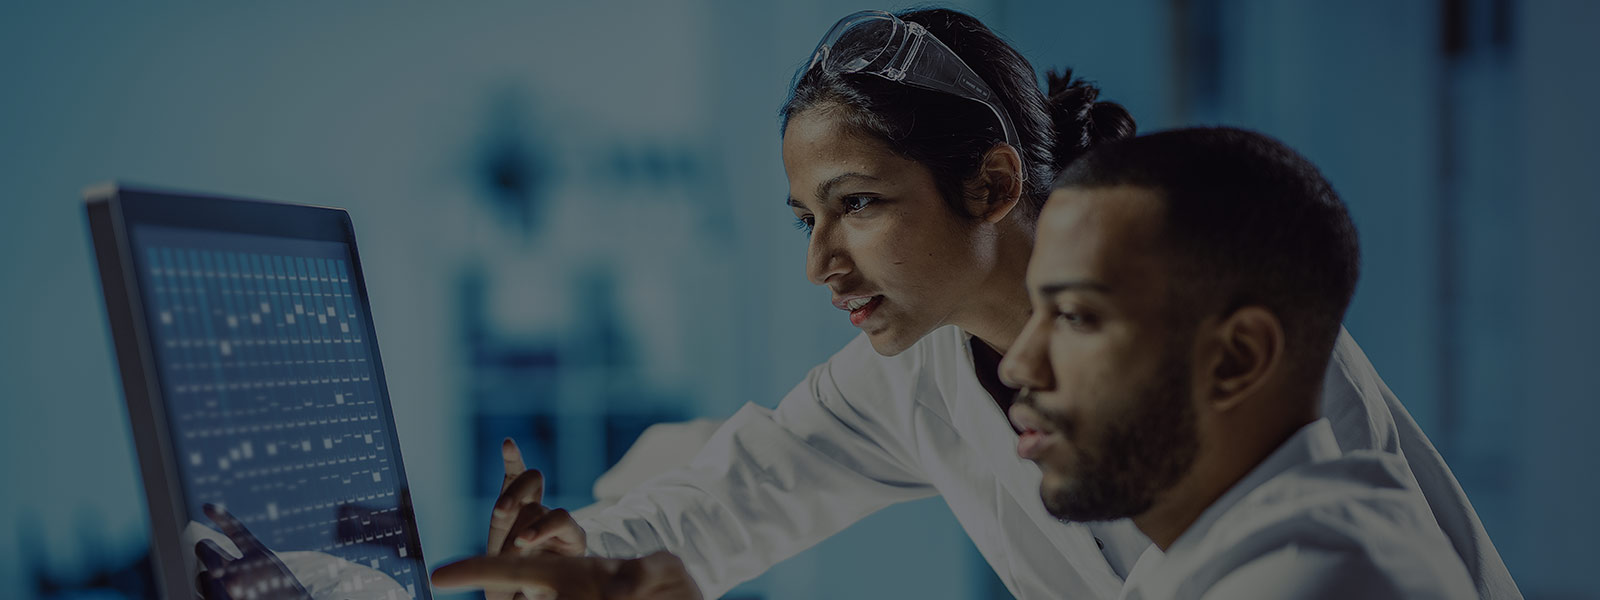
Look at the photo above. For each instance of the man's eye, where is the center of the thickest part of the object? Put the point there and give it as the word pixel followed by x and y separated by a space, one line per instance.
pixel 1075 319
pixel 856 203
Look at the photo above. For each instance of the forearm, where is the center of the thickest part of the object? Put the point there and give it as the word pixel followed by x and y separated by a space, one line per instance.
pixel 757 494
pixel 686 522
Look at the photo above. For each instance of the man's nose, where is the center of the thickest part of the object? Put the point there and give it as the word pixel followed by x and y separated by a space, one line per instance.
pixel 1027 364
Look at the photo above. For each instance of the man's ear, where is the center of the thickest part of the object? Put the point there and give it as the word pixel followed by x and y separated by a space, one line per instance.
pixel 997 188
pixel 1249 353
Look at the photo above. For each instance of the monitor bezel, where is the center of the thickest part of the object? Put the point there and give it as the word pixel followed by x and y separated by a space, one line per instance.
pixel 113 212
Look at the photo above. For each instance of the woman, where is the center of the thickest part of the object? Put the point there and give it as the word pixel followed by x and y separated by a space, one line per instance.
pixel 919 188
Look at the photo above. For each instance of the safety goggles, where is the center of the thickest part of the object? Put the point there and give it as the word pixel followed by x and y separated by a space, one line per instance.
pixel 879 43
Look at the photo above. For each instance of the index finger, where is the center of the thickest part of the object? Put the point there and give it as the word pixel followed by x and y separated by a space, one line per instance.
pixel 513 460
pixel 235 530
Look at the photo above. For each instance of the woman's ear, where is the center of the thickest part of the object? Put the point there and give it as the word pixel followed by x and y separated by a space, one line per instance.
pixel 997 188
pixel 1250 352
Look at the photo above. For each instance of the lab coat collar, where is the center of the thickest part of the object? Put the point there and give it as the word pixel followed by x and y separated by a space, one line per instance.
pixel 991 433
pixel 1313 443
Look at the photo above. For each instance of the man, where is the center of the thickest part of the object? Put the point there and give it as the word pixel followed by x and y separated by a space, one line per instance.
pixel 1188 288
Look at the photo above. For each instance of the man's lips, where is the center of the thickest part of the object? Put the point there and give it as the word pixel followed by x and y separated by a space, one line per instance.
pixel 1032 444
pixel 1027 419
pixel 1037 434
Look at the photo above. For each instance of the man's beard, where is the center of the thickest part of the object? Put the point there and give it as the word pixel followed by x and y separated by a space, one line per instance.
pixel 1141 455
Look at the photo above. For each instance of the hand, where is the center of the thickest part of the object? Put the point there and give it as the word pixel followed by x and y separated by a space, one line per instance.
pixel 521 524
pixel 257 574
pixel 660 576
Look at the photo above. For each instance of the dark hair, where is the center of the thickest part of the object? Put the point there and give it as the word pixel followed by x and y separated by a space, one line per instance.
pixel 1250 222
pixel 950 135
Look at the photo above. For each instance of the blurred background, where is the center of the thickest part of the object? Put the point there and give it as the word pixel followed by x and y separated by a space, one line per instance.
pixel 570 222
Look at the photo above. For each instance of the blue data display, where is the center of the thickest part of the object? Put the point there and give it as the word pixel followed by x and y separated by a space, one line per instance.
pixel 271 395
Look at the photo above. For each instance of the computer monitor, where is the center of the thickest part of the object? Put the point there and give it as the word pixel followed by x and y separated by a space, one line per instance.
pixel 253 382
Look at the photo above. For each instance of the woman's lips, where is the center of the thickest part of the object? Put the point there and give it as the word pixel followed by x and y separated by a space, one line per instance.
pixel 859 315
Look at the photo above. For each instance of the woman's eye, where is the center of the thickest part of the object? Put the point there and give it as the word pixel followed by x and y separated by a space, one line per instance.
pixel 856 203
pixel 804 224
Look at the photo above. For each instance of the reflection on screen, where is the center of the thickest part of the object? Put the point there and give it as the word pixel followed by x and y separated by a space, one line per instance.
pixel 267 373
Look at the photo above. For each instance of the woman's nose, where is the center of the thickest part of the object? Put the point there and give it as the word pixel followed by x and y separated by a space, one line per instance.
pixel 825 256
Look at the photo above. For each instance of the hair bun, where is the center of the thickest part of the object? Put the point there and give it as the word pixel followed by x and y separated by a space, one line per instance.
pixel 1081 121
pixel 1061 87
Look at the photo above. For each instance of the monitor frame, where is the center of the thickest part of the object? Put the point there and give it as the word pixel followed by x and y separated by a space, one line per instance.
pixel 112 211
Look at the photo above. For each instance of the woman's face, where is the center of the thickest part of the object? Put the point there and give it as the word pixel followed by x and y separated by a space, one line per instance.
pixel 897 258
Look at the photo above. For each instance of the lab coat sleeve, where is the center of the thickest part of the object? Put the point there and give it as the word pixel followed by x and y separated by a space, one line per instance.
pixel 1366 415
pixel 1307 573
pixel 771 483
pixel 1379 548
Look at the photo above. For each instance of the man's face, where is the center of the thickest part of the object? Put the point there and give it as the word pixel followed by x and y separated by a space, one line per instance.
pixel 1108 411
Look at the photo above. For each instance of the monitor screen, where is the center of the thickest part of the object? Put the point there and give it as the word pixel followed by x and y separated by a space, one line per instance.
pixel 273 399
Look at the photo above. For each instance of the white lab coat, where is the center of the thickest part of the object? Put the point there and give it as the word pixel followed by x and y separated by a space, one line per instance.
pixel 1310 522
pixel 864 431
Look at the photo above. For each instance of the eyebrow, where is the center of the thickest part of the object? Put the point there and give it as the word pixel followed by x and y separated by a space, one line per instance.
pixel 1079 285
pixel 827 186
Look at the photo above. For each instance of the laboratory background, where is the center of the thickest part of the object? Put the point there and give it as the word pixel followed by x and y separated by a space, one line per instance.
pixel 571 223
